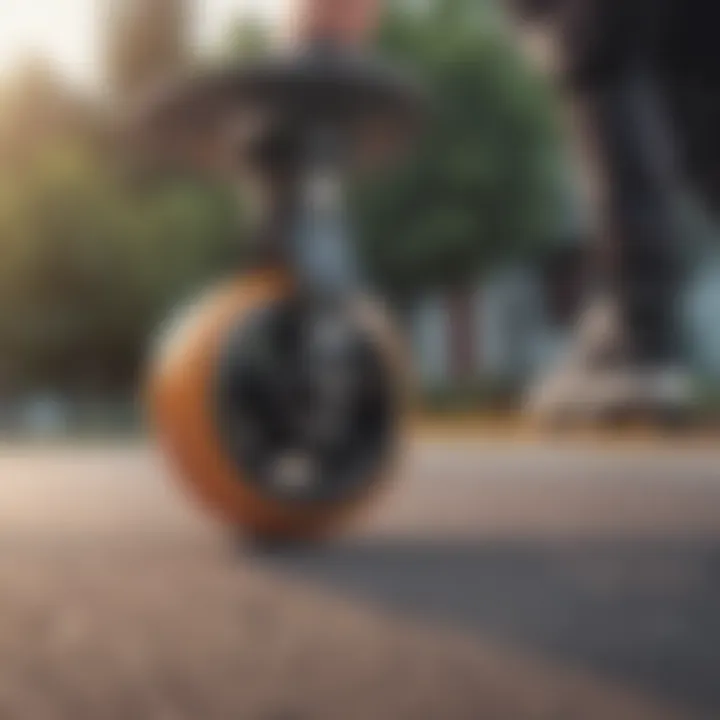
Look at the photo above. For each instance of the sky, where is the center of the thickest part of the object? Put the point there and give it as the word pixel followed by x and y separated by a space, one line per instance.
pixel 67 31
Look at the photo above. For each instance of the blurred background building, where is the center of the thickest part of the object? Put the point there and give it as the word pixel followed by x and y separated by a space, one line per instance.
pixel 518 320
pixel 146 42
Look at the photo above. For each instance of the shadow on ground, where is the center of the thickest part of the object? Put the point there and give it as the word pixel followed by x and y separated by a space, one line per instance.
pixel 642 612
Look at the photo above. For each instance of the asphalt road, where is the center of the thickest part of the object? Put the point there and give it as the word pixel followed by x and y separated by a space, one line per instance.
pixel 493 581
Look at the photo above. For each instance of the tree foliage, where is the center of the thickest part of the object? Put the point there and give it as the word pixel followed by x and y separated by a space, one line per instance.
pixel 485 183
pixel 89 263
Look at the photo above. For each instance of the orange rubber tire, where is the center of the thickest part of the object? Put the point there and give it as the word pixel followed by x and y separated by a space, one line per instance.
pixel 180 403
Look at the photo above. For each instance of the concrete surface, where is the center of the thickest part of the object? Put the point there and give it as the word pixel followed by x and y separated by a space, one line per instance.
pixel 493 581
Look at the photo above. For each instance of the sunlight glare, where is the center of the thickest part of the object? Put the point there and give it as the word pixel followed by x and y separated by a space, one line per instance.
pixel 63 31
pixel 69 32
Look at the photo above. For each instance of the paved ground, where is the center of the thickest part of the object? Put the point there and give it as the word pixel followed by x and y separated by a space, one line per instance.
pixel 494 582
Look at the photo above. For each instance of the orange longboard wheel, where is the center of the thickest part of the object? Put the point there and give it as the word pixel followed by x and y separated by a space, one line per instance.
pixel 260 431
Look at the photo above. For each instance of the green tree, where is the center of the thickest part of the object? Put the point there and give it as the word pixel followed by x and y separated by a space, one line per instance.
pixel 485 183
pixel 89 266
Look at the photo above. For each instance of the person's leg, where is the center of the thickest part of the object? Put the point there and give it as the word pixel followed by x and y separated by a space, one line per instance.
pixel 629 343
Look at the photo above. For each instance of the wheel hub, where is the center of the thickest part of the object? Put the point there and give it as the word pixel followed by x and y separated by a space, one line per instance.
pixel 304 403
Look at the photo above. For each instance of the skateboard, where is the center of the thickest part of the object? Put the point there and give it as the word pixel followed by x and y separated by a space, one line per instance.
pixel 278 396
